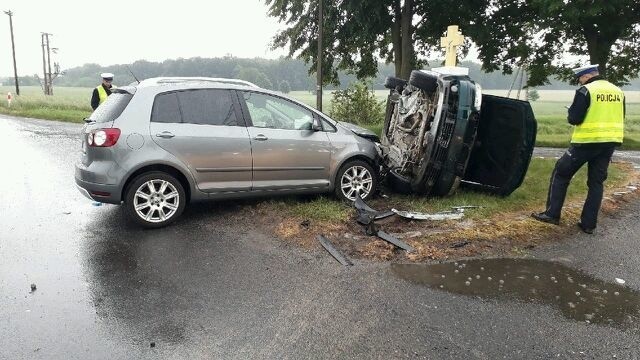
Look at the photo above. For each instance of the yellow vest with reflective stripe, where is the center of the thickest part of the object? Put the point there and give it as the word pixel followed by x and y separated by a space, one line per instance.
pixel 604 121
pixel 102 93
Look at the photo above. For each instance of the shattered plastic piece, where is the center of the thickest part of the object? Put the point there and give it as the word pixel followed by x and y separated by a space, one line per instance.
pixel 460 244
pixel 632 188
pixel 390 239
pixel 367 214
pixel 620 193
pixel 462 208
pixel 327 245
pixel 620 281
pixel 433 217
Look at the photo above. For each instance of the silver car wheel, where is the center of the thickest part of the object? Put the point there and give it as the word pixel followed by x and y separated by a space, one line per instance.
pixel 356 180
pixel 156 201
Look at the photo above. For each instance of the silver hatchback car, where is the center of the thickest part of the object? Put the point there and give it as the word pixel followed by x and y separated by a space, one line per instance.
pixel 165 142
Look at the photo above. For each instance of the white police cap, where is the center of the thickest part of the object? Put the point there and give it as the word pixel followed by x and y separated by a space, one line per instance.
pixel 106 75
pixel 585 69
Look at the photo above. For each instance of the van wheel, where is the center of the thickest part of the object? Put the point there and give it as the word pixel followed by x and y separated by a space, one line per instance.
pixel 155 199
pixel 423 81
pixel 395 83
pixel 399 183
pixel 356 177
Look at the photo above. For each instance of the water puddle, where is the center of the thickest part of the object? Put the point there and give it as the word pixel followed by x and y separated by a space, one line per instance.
pixel 578 295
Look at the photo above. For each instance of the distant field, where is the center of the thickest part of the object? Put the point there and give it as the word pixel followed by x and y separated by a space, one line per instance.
pixel 72 104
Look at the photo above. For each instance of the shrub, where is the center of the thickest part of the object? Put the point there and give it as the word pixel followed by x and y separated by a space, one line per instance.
pixel 533 94
pixel 357 104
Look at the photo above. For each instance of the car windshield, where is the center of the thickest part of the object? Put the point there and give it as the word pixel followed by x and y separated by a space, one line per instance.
pixel 111 108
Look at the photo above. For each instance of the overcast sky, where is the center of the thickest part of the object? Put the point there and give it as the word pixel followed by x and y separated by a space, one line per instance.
pixel 117 32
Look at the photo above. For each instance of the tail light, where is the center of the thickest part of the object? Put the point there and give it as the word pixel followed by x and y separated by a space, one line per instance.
pixel 103 137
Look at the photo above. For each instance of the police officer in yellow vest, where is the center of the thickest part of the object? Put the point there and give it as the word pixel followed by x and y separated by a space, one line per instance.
pixel 597 112
pixel 102 91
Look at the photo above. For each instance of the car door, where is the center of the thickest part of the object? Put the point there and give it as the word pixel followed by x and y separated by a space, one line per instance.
pixel 287 153
pixel 204 129
pixel 504 145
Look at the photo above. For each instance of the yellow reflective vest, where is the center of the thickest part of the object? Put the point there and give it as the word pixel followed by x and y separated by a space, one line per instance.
pixel 102 93
pixel 604 121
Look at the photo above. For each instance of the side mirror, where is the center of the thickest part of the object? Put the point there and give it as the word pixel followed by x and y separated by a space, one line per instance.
pixel 317 125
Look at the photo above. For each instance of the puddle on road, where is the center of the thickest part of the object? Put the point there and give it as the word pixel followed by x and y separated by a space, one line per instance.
pixel 578 295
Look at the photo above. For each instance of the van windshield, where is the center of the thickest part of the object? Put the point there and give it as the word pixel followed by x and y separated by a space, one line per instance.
pixel 111 108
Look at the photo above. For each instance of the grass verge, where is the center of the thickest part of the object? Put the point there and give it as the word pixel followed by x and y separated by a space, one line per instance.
pixel 501 226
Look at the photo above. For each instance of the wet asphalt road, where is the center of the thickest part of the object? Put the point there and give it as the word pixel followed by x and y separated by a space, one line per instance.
pixel 209 288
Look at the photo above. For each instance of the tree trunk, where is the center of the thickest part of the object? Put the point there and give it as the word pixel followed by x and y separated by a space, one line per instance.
pixel 599 49
pixel 407 40
pixel 396 38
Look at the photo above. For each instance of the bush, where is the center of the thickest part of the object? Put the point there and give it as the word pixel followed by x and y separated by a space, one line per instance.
pixel 284 87
pixel 533 94
pixel 357 104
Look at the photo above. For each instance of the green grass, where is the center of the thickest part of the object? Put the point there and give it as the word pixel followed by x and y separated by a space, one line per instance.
pixel 528 197
pixel 72 104
pixel 67 104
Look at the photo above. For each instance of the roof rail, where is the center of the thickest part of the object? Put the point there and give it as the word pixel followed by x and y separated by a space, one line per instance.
pixel 165 80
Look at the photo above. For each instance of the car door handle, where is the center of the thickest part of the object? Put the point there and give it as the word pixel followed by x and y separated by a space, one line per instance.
pixel 260 137
pixel 165 135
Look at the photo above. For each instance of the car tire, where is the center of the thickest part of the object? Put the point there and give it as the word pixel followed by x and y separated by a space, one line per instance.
pixel 423 81
pixel 392 83
pixel 398 183
pixel 165 203
pixel 356 177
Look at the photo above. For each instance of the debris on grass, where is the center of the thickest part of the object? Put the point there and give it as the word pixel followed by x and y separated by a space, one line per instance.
pixel 327 245
pixel 448 215
pixel 459 244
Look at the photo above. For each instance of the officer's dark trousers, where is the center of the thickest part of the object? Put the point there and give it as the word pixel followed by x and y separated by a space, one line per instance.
pixel 598 158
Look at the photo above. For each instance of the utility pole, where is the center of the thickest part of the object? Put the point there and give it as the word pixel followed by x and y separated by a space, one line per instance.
pixel 44 66
pixel 46 63
pixel 13 48
pixel 319 58
pixel 49 65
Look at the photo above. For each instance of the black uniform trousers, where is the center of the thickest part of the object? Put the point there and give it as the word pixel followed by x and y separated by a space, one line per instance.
pixel 598 156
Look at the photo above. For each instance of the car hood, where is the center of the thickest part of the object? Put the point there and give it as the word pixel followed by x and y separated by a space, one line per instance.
pixel 360 131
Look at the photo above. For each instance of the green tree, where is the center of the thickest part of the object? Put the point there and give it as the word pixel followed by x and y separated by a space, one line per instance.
pixel 284 86
pixel 533 95
pixel 541 33
pixel 357 104
pixel 357 33
pixel 253 75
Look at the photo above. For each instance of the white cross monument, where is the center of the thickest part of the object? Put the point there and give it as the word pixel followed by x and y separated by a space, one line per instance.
pixel 450 43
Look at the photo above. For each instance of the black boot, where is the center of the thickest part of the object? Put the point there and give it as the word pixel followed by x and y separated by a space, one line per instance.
pixel 545 218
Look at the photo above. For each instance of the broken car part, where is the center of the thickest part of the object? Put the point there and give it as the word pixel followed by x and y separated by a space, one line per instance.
pixel 367 214
pixel 395 241
pixel 327 245
pixel 433 217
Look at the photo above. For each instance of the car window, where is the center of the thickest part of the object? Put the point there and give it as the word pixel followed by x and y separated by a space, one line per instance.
pixel 268 111
pixel 166 109
pixel 111 108
pixel 207 106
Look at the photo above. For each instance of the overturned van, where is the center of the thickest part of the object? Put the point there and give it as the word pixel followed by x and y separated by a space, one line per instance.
pixel 441 132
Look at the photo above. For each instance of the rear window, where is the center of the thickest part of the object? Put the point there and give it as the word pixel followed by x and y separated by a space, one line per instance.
pixel 111 108
pixel 204 106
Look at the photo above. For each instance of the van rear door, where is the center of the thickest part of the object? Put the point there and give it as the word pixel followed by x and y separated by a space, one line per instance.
pixel 504 145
